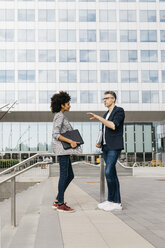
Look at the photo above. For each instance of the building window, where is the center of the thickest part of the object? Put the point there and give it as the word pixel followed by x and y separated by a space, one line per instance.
pixel 149 76
pixel 26 76
pixel 108 56
pixel 147 16
pixel 87 0
pixel 67 55
pixel 6 35
pixel 147 0
pixel 26 97
pixel 88 76
pixel 88 56
pixel 128 35
pixel 148 35
pixel 130 96
pixel 162 35
pixel 127 15
pixel 87 15
pixel 163 76
pixel 108 36
pixel 46 15
pixel 26 55
pixel 107 15
pixel 67 15
pixel 67 76
pixel 73 94
pixel 44 96
pixel 7 76
pixel 47 55
pixel 6 15
pixel 149 96
pixel 7 55
pixel 162 15
pixel 163 96
pixel 87 96
pixel 149 56
pixel 127 0
pixel 67 35
pixel 26 15
pixel 47 76
pixel 46 35
pixel 107 0
pixel 87 35
pixel 162 55
pixel 26 35
pixel 129 76
pixel 7 96
pixel 128 56
pixel 108 76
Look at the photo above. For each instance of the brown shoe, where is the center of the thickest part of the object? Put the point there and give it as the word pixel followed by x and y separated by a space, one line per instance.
pixel 55 205
pixel 65 208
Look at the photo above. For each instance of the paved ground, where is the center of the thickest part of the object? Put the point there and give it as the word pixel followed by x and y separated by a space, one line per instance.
pixel 143 201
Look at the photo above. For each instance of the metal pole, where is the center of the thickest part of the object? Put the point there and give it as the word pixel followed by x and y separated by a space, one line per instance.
pixel 13 202
pixel 102 179
pixel 49 170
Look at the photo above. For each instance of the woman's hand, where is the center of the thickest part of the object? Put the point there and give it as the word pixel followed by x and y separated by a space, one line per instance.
pixel 74 144
pixel 93 116
pixel 98 145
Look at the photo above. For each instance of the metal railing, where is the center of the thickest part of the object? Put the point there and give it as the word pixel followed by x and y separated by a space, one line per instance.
pixel 22 163
pixel 152 163
pixel 13 181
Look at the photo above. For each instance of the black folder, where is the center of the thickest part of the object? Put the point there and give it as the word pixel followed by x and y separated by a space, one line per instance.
pixel 73 135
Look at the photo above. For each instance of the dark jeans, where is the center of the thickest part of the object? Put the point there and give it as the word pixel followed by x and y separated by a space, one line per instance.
pixel 110 157
pixel 66 176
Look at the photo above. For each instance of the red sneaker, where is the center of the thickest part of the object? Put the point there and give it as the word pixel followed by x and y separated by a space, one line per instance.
pixel 65 208
pixel 55 205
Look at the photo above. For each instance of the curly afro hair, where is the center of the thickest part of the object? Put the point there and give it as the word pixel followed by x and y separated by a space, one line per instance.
pixel 59 99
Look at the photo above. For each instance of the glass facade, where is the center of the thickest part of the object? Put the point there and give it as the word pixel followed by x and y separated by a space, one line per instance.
pixel 37 137
pixel 84 47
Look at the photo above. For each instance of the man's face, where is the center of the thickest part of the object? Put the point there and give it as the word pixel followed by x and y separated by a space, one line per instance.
pixel 108 100
pixel 66 106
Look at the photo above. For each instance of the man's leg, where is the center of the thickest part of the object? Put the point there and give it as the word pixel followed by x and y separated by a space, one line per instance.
pixel 111 177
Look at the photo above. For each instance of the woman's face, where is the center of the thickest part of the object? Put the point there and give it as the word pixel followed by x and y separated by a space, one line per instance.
pixel 65 107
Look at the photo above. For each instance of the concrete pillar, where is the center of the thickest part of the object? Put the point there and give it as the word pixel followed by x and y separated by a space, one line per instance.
pixel 92 159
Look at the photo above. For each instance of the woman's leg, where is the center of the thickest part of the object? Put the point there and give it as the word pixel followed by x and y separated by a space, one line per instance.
pixel 111 177
pixel 70 174
pixel 64 165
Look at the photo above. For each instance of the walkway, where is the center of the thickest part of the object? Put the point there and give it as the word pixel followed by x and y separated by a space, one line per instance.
pixel 141 224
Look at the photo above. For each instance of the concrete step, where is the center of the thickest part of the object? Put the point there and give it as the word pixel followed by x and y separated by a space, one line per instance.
pixel 5 209
pixel 37 223
pixel 49 231
pixel 23 200
pixel 28 224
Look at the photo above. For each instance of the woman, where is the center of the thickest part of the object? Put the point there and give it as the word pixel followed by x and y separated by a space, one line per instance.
pixel 60 103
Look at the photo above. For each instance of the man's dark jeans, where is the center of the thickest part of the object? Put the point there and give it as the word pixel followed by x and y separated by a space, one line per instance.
pixel 110 157
pixel 66 176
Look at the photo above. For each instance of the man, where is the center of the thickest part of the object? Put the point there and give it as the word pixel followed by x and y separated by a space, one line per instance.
pixel 111 144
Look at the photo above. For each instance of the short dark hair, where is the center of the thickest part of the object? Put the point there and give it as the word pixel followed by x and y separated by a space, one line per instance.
pixel 111 93
pixel 59 99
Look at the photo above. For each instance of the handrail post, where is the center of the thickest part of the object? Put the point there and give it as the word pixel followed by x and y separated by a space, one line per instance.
pixel 13 202
pixel 102 179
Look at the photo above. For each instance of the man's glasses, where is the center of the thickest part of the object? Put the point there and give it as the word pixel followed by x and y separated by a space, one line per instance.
pixel 106 98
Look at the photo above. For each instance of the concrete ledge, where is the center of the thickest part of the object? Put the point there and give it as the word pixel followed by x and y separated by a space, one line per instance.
pixel 149 171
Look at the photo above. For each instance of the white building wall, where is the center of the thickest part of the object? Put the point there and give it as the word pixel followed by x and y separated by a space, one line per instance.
pixel 99 87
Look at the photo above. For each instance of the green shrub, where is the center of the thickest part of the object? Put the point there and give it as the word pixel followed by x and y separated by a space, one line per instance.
pixel 6 163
